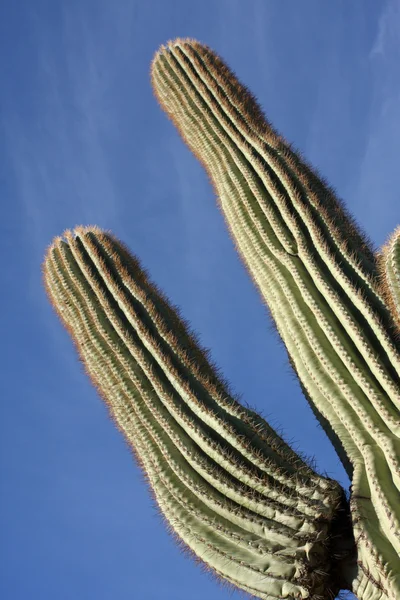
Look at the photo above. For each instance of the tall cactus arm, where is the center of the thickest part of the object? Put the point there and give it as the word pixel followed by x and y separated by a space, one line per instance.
pixel 236 494
pixel 389 266
pixel 320 279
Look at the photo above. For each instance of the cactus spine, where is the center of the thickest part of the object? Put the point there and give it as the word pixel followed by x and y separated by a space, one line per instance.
pixel 389 265
pixel 229 486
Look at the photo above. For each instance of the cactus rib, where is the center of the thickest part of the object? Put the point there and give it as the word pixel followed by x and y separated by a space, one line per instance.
pixel 228 485
pixel 232 491
pixel 319 277
pixel 389 270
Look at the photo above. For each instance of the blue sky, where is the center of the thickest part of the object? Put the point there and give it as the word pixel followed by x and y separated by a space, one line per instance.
pixel 83 141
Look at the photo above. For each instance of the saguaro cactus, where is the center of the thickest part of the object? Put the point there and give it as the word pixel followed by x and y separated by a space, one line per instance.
pixel 230 488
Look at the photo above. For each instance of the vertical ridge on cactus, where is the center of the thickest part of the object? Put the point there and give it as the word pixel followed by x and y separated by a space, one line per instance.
pixel 318 276
pixel 389 265
pixel 229 486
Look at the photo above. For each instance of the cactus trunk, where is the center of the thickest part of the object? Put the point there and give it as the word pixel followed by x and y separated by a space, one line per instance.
pixel 230 488
pixel 319 278
pixel 233 491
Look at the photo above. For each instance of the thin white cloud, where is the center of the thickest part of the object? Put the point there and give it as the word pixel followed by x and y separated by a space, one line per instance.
pixel 61 158
pixel 377 191
pixel 58 148
pixel 388 30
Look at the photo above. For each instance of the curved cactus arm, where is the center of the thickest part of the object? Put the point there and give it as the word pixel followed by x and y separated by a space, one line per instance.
pixel 389 266
pixel 319 277
pixel 236 494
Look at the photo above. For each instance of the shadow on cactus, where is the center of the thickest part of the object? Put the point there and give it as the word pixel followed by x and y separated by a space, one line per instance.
pixel 228 485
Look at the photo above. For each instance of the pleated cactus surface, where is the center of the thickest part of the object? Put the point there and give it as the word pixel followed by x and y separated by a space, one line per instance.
pixel 229 486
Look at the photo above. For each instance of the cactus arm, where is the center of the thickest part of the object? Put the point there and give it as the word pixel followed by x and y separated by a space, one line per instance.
pixel 320 278
pixel 232 490
pixel 389 269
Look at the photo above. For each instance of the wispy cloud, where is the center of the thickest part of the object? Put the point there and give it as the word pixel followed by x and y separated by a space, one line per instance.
pixel 61 158
pixel 388 30
pixel 377 191
pixel 58 133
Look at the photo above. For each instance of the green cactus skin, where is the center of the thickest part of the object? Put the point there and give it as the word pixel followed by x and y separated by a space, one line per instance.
pixel 230 488
pixel 389 265
pixel 320 280
pixel 228 485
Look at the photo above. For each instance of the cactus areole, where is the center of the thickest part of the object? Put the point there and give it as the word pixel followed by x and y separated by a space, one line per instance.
pixel 230 488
